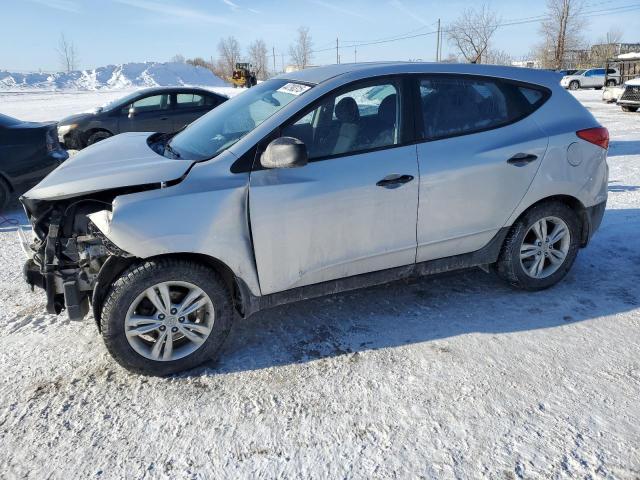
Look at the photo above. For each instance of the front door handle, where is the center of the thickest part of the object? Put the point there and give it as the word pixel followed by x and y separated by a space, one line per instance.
pixel 394 181
pixel 521 159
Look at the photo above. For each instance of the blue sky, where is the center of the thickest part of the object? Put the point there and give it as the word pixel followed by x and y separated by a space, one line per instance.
pixel 118 31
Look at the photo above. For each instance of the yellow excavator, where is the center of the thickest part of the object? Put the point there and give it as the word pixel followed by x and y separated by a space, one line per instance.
pixel 243 76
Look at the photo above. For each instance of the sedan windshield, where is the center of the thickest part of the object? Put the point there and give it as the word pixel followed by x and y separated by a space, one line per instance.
pixel 225 125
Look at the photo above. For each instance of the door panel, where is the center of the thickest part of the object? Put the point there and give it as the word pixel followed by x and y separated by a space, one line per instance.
pixel 153 114
pixel 329 219
pixel 470 183
pixel 187 108
pixel 468 190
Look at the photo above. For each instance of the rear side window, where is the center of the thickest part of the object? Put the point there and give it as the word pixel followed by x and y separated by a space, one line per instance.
pixel 457 105
pixel 190 100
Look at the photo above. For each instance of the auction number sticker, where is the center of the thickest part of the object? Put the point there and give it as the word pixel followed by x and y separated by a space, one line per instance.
pixel 294 88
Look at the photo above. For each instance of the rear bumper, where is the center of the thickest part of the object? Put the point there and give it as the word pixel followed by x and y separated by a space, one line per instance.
pixel 594 219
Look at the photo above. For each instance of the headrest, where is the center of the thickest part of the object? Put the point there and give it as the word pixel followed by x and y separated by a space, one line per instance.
pixel 347 110
pixel 387 110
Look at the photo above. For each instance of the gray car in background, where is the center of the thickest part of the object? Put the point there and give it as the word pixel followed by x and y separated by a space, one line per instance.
pixel 312 183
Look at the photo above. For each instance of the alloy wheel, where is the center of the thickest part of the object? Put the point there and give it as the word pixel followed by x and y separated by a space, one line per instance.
pixel 169 321
pixel 545 247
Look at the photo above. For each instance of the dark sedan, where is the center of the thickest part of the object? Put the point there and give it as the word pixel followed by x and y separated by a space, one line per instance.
pixel 159 109
pixel 28 152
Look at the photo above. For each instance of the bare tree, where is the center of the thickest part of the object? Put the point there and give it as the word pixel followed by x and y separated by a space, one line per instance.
pixel 67 53
pixel 258 58
pixel 561 31
pixel 472 32
pixel 200 62
pixel 300 52
pixel 178 58
pixel 497 57
pixel 229 52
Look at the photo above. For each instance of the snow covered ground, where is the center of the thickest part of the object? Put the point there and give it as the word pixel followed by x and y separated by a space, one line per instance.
pixel 455 376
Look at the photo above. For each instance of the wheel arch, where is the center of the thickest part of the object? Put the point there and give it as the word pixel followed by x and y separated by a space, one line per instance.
pixel 91 131
pixel 243 300
pixel 574 204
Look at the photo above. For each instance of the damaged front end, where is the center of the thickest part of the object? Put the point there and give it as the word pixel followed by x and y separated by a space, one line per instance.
pixel 67 251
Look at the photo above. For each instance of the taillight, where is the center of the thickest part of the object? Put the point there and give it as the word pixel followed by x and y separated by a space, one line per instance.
pixel 598 136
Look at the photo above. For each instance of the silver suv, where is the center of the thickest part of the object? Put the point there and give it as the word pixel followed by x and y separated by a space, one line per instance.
pixel 312 183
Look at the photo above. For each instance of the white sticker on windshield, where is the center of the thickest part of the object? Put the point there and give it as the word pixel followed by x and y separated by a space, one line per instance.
pixel 294 88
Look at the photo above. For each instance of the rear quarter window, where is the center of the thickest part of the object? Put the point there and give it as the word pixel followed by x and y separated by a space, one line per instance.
pixel 460 105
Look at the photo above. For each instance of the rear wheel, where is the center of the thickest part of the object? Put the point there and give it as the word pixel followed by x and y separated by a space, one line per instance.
pixel 611 83
pixel 574 85
pixel 165 316
pixel 626 108
pixel 541 247
pixel 97 137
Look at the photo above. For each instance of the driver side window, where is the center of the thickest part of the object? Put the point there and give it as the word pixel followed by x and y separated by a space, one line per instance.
pixel 360 119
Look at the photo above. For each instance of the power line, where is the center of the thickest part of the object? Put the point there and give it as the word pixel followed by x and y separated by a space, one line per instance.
pixel 522 21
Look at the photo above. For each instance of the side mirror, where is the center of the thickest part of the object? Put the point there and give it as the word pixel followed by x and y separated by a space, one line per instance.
pixel 285 152
pixel 132 111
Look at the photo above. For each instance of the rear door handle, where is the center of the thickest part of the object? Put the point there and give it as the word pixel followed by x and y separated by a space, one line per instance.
pixel 521 159
pixel 394 180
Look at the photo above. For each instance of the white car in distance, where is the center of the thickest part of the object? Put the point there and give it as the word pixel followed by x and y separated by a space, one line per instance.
pixel 591 78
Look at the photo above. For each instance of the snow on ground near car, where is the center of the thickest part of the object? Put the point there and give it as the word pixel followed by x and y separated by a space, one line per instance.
pixel 40 106
pixel 147 74
pixel 455 376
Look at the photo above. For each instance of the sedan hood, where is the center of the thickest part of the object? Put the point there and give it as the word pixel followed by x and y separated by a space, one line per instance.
pixel 77 118
pixel 121 161
pixel 633 83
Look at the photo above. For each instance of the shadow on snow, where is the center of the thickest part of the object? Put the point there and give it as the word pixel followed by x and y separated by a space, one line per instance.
pixel 603 281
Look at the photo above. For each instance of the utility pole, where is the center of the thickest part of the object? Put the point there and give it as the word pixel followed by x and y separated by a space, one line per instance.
pixel 438 43
pixel 355 54
pixel 337 50
pixel 274 59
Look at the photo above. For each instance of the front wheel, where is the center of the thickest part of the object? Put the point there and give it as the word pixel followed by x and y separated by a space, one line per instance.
pixel 541 247
pixel 574 85
pixel 97 137
pixel 165 316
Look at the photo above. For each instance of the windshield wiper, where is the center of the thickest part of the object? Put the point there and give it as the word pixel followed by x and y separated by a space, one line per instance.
pixel 173 152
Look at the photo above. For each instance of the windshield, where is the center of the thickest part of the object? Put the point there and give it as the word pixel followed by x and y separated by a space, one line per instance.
pixel 225 125
pixel 579 72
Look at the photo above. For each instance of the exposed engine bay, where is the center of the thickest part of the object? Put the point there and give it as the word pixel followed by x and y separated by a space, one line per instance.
pixel 67 251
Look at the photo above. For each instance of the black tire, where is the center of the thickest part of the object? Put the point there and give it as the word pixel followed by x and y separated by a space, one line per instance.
pixel 574 85
pixel 5 194
pixel 626 108
pixel 509 266
pixel 97 137
pixel 137 279
pixel 611 83
pixel 597 88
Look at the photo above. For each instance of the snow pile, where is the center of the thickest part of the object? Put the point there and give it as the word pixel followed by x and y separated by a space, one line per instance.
pixel 148 74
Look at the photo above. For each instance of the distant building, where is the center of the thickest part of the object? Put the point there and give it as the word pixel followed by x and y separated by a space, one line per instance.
pixel 600 50
pixel 295 68
pixel 526 63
